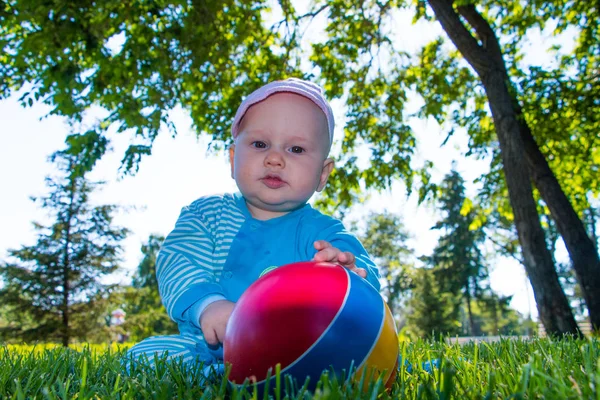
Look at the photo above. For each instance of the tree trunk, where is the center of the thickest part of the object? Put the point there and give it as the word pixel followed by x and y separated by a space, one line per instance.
pixel 582 251
pixel 67 265
pixel 551 301
pixel 65 307
pixel 470 316
pixel 469 310
pixel 495 317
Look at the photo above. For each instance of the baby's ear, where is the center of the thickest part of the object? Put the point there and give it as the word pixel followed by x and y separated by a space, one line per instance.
pixel 232 157
pixel 328 165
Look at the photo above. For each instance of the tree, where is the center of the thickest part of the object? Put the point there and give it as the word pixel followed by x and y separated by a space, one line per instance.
pixel 146 315
pixel 566 273
pixel 138 61
pixel 517 146
pixel 559 107
pixel 385 238
pixel 56 284
pixel 494 316
pixel 591 220
pixel 431 310
pixel 203 57
pixel 145 275
pixel 359 60
pixel 458 262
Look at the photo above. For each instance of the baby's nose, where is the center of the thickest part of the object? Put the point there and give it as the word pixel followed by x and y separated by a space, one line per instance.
pixel 274 158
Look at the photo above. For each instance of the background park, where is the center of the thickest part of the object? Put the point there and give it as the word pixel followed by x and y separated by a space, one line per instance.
pixel 467 154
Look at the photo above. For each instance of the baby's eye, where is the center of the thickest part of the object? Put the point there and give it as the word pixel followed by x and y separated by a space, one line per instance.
pixel 259 144
pixel 297 149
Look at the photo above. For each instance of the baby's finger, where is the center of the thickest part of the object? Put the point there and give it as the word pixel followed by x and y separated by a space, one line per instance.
pixel 347 258
pixel 210 336
pixel 220 334
pixel 321 244
pixel 327 254
pixel 359 271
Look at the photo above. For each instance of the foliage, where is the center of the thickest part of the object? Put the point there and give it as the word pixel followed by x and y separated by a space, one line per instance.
pixel 53 288
pixel 145 275
pixel 146 315
pixel 431 312
pixel 357 62
pixel 141 61
pixel 458 262
pixel 138 61
pixel 493 316
pixel 385 238
pixel 359 50
pixel 558 98
pixel 540 368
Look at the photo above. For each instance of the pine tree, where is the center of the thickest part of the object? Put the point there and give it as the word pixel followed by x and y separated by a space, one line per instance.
pixel 145 275
pixel 385 238
pixel 53 289
pixel 146 315
pixel 458 261
pixel 497 318
pixel 431 311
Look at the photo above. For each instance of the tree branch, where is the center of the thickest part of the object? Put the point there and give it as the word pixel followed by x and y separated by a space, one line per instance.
pixel 311 14
pixel 314 13
pixel 506 249
pixel 475 54
pixel 292 25
pixel 487 37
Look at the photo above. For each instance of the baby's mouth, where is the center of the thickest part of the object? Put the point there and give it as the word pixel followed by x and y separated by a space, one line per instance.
pixel 273 181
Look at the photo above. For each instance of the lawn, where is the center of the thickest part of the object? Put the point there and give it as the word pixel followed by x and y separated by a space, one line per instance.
pixel 509 369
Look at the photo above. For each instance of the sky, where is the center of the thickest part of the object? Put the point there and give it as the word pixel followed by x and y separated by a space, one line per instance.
pixel 180 170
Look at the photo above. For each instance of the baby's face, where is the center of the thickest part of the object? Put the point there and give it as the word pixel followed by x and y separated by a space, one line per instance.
pixel 280 155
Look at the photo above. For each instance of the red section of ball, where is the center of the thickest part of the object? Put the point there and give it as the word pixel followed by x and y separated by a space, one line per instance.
pixel 282 315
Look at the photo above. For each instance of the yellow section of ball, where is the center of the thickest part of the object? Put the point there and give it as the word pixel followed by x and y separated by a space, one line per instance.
pixel 384 355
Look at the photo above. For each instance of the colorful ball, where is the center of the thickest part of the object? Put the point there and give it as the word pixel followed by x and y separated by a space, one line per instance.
pixel 309 318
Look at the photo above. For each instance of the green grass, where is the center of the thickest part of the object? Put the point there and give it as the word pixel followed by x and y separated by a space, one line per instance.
pixel 510 369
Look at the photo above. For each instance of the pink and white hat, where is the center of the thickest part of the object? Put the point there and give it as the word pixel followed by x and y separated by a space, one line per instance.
pixel 291 85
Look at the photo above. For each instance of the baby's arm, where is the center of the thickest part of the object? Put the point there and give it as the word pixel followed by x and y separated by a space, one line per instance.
pixel 186 276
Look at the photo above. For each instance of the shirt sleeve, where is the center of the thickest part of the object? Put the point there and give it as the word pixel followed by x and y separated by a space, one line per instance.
pixel 185 269
pixel 335 233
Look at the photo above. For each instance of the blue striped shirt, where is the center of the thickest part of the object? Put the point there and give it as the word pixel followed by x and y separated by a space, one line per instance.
pixel 217 249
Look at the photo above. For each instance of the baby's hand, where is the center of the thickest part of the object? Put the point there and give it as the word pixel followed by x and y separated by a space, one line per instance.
pixel 213 321
pixel 327 253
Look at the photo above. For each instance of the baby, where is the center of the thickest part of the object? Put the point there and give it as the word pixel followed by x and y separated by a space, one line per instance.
pixel 221 244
